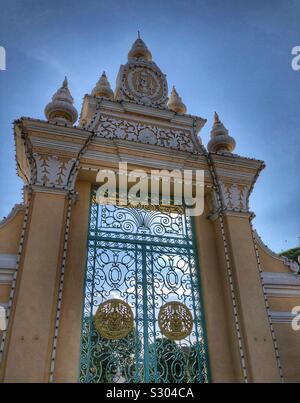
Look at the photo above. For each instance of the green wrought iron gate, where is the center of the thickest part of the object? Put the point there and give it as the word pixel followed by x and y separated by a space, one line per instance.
pixel 142 318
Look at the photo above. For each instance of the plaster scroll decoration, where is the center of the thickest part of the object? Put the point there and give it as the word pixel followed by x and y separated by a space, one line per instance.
pixel 112 128
pixel 235 196
pixel 52 171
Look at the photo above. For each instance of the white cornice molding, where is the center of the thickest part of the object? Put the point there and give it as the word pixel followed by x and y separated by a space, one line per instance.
pixel 230 159
pixel 6 276
pixel 282 317
pixel 45 127
pixel 122 107
pixel 8 261
pixel 56 145
pixel 235 175
pixel 281 284
pixel 8 264
pixel 44 189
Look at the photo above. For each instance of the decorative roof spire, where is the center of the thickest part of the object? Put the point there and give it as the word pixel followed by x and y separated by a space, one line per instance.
pixel 103 88
pixel 220 140
pixel 216 118
pixel 61 109
pixel 139 50
pixel 175 102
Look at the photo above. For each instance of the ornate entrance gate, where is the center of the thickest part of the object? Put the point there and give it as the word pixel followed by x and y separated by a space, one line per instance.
pixel 142 319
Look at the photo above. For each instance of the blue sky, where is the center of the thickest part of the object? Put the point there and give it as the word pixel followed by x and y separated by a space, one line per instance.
pixel 231 56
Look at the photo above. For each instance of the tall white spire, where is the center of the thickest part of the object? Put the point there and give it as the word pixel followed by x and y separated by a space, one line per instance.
pixel 61 109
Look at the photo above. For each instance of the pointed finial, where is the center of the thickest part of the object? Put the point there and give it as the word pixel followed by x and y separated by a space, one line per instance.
pixel 216 118
pixel 220 140
pixel 139 50
pixel 61 109
pixel 65 82
pixel 175 102
pixel 103 88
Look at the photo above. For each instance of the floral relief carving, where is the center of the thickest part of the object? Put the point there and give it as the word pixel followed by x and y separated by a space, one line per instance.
pixel 126 130
pixel 235 196
pixel 52 171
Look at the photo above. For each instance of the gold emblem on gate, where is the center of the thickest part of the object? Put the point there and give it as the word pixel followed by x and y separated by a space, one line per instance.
pixel 114 319
pixel 175 320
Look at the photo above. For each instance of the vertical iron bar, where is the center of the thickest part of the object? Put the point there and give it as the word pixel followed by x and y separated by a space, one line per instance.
pixel 145 317
pixel 137 343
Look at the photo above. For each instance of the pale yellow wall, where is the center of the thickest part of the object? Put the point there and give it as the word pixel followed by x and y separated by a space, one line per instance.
pixel 289 348
pixel 4 292
pixel 224 362
pixel 283 304
pixel 259 347
pixel 288 340
pixel 10 234
pixel 270 263
pixel 29 344
pixel 68 350
pixel 44 245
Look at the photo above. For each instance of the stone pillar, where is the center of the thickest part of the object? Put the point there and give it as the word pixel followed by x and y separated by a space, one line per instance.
pixel 259 348
pixel 221 337
pixel 256 348
pixel 28 349
pixel 69 337
pixel 29 339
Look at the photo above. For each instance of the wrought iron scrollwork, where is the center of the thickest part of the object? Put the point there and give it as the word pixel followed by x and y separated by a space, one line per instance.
pixel 144 260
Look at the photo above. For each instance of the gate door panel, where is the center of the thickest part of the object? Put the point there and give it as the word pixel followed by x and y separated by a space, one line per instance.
pixel 142 318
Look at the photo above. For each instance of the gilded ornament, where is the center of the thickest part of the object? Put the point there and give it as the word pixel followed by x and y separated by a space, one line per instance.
pixel 175 320
pixel 114 319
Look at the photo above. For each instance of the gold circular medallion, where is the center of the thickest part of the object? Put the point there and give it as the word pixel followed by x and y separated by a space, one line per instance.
pixel 114 319
pixel 175 320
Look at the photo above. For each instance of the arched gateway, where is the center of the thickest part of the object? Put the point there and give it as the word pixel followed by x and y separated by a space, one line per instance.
pixel 118 291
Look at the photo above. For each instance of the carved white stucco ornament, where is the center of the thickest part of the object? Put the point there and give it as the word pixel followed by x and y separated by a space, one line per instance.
pixel 61 109
pixel 103 88
pixel 111 128
pixel 140 80
pixel 52 171
pixel 175 102
pixel 235 196
pixel 220 140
